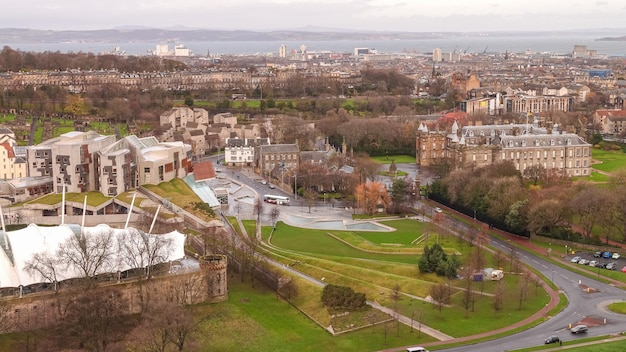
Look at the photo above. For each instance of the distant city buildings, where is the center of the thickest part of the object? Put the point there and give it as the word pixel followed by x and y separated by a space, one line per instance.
pixel 437 55
pixel 164 50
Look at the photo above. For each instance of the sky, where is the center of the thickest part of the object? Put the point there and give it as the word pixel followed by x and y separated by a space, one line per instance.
pixel 262 15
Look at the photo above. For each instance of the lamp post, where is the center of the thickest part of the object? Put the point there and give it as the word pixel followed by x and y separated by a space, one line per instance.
pixel 295 185
pixel 324 199
pixel 474 214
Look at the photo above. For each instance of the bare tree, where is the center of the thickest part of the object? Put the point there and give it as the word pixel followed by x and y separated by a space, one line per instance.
pixel 440 294
pixel 139 250
pixel 46 266
pixel 395 297
pixel 88 254
pixel 522 286
pixel 498 296
pixel 97 319
pixel 181 327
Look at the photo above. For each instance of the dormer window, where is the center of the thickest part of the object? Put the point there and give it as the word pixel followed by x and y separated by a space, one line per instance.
pixel 536 142
pixel 568 141
pixel 552 142
pixel 523 143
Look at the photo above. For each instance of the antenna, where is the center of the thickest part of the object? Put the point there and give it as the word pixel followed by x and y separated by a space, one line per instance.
pixel 82 224
pixel 130 211
pixel 154 220
pixel 63 206
pixel 4 230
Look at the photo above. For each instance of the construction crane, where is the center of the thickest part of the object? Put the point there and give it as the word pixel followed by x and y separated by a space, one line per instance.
pixel 487 47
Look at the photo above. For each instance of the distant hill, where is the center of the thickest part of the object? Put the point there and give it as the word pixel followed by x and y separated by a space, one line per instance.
pixel 613 39
pixel 128 34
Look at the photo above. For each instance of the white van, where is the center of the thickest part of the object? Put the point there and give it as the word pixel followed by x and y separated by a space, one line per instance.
pixel 416 349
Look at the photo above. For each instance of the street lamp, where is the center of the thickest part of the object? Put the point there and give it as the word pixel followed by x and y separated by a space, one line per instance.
pixel 324 199
pixel 474 214
pixel 295 185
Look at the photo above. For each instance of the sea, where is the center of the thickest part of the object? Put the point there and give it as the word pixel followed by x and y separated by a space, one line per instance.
pixel 545 43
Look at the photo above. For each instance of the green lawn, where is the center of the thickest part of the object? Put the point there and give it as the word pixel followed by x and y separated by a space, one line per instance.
pixel 93 198
pixel 271 324
pixel 398 159
pixel 611 161
pixel 318 254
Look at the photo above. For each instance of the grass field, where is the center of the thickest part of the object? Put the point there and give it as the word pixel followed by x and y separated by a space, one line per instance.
pixel 350 262
pixel 610 161
pixel 398 159
pixel 271 324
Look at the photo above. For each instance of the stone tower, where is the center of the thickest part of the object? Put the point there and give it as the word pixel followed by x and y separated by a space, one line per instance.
pixel 214 268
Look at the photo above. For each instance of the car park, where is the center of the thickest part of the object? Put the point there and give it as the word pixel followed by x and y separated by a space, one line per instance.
pixel 615 256
pixel 552 339
pixel 594 263
pixel 583 261
pixel 579 329
pixel 606 255
pixel 611 266
pixel 597 254
pixel 575 259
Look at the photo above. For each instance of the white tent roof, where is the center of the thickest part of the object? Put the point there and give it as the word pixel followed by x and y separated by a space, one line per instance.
pixel 33 239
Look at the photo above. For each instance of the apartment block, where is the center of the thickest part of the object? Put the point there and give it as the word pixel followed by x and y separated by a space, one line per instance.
pixel 132 161
pixel 69 160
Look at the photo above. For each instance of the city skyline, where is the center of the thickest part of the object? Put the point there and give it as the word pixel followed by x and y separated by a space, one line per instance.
pixel 373 15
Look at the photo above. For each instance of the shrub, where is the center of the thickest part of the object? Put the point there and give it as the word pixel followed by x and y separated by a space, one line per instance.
pixel 342 297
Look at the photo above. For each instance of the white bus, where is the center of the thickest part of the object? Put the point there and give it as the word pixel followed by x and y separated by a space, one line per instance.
pixel 280 200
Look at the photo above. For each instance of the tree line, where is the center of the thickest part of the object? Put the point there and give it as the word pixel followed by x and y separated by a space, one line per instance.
pixel 545 203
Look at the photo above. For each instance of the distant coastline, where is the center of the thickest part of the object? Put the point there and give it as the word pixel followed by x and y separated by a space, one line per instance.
pixel 613 39
pixel 214 42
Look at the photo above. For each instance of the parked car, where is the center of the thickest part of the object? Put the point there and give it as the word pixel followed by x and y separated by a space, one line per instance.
pixel 594 263
pixel 583 261
pixel 575 259
pixel 606 255
pixel 416 349
pixel 438 210
pixel 611 266
pixel 271 186
pixel 597 254
pixel 263 182
pixel 601 265
pixel 579 329
pixel 552 339
pixel 624 269
pixel 615 256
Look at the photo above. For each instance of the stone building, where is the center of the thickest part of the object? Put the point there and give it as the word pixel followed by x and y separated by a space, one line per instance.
pixel 274 160
pixel 524 145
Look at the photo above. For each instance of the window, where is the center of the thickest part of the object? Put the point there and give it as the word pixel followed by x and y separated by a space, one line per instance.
pixel 146 170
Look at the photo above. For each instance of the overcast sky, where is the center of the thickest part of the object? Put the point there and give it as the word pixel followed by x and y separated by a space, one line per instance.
pixel 380 15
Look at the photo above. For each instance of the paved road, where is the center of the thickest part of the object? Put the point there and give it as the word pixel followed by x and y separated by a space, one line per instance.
pixel 582 304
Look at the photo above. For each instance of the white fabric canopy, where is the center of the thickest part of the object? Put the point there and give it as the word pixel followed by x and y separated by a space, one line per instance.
pixel 33 239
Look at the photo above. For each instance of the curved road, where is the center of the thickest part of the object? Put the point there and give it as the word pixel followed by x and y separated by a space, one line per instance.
pixel 582 304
